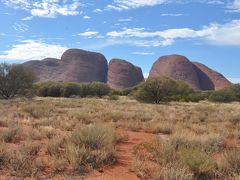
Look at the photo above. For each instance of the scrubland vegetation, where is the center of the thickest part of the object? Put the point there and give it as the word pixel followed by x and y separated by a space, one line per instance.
pixel 67 130
pixel 69 137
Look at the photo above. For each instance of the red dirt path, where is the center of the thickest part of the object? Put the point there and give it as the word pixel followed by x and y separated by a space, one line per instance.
pixel 124 150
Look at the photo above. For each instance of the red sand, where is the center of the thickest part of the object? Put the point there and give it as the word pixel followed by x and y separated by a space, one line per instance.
pixel 124 149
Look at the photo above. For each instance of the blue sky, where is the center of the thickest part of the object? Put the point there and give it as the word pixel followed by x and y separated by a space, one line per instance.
pixel 139 31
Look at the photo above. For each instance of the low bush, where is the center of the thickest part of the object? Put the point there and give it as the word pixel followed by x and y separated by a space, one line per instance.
pixel 91 146
pixel 155 89
pixel 159 89
pixel 198 96
pixel 54 89
pixel 15 80
pixel 70 89
pixel 200 163
pixel 113 97
pixel 49 89
pixel 224 95
pixel 207 143
pixel 98 89
pixel 94 137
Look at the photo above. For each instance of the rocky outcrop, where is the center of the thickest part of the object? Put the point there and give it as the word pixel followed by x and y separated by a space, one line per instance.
pixel 210 79
pixel 176 67
pixel 197 75
pixel 122 74
pixel 75 66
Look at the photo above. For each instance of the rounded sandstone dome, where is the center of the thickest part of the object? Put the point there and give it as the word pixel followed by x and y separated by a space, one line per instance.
pixel 176 67
pixel 210 79
pixel 85 66
pixel 122 74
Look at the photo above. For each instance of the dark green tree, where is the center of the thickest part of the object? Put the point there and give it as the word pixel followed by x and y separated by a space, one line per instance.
pixel 155 89
pixel 15 80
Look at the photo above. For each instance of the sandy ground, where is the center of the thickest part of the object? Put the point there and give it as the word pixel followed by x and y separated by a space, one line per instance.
pixel 124 149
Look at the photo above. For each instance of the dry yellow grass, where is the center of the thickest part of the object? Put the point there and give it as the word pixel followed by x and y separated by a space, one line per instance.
pixel 48 127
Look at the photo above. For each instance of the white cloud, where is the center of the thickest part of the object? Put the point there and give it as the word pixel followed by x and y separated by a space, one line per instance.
pixel 98 10
pixel 234 6
pixel 173 15
pixel 33 50
pixel 125 20
pixel 46 8
pixel 143 53
pixel 88 34
pixel 20 27
pixel 132 4
pixel 214 2
pixel 27 18
pixel 86 17
pixel 121 5
pixel 220 34
pixel 226 34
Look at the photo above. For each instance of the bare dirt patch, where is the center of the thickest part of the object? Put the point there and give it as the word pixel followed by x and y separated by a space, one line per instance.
pixel 121 170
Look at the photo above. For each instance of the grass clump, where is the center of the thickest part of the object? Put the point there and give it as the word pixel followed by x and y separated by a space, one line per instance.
pixel 12 135
pixel 200 163
pixel 232 161
pixel 4 156
pixel 208 142
pixel 38 111
pixel 94 137
pixel 22 161
pixel 173 172
pixel 91 147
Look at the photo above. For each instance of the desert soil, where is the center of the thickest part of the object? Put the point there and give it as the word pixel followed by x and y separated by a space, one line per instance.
pixel 121 170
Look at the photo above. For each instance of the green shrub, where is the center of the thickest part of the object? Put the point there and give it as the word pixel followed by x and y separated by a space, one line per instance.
pixel 70 89
pixel 99 89
pixel 158 89
pixel 94 137
pixel 116 92
pixel 235 89
pixel 49 89
pixel 15 80
pixel 91 146
pixel 207 143
pixel 155 89
pixel 200 163
pixel 54 90
pixel 224 95
pixel 198 96
pixel 113 97
pixel 183 88
pixel 96 89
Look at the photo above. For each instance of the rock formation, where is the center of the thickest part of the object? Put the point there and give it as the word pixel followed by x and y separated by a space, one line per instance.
pixel 75 66
pixel 176 67
pixel 197 75
pixel 122 74
pixel 210 79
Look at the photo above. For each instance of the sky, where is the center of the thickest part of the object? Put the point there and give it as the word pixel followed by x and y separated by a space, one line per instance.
pixel 139 31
